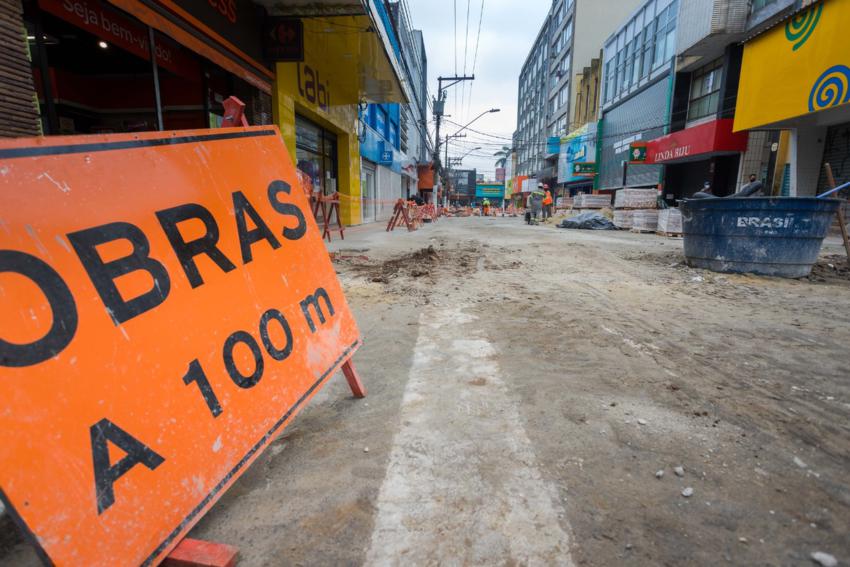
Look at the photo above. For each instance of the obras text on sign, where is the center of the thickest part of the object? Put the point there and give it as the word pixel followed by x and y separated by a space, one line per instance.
pixel 166 306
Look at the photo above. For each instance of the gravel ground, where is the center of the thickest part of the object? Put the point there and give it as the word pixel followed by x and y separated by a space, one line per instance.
pixel 532 392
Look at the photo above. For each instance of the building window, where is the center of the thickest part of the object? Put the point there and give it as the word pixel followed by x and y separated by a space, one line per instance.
pixel 621 72
pixel 759 4
pixel 637 50
pixel 648 37
pixel 705 91
pixel 610 72
pixel 665 34
pixel 564 66
pixel 568 33
pixel 563 95
pixel 381 121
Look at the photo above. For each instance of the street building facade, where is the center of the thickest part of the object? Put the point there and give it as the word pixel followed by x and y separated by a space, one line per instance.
pixel 551 101
pixel 799 55
pixel 462 183
pixel 394 141
pixel 638 61
pixel 530 137
pixel 700 146
pixel 99 67
pixel 577 171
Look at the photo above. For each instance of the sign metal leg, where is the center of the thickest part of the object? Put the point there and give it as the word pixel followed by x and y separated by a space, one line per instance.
pixel 357 387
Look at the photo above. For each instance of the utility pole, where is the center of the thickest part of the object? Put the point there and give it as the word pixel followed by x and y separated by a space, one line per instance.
pixel 447 145
pixel 449 165
pixel 439 109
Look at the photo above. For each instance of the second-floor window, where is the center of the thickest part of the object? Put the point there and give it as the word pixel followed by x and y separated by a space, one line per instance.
pixel 665 34
pixel 705 91
pixel 759 4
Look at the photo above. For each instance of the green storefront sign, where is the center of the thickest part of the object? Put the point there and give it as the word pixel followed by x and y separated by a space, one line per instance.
pixel 584 169
pixel 637 153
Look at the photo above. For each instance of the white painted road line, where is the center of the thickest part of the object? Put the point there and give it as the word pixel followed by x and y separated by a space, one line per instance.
pixel 462 485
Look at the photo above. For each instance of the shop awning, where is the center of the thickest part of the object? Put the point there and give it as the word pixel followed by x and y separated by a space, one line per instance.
pixel 799 70
pixel 695 143
pixel 354 38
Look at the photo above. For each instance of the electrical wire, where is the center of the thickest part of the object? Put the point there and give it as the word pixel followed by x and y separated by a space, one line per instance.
pixel 475 57
pixel 461 113
pixel 455 22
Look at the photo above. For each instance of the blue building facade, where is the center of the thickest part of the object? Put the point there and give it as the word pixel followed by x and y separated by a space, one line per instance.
pixel 393 137
pixel 381 140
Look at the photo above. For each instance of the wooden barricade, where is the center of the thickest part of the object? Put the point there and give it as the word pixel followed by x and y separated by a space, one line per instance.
pixel 327 205
pixel 400 213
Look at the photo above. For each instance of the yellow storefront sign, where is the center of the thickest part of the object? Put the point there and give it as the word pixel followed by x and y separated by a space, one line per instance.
pixel 339 71
pixel 798 68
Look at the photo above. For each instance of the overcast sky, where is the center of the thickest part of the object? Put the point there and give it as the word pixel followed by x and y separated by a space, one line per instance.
pixel 508 30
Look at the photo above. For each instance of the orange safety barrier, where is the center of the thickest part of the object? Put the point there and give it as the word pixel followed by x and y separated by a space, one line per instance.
pixel 327 205
pixel 400 213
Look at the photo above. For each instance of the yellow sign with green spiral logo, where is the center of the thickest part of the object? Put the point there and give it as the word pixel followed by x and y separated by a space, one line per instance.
pixel 797 68
pixel 800 27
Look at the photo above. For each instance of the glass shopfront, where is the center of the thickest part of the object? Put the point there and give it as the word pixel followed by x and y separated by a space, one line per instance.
pixel 316 154
pixel 91 65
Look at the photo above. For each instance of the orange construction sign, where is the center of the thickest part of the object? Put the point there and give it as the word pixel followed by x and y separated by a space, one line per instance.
pixel 166 307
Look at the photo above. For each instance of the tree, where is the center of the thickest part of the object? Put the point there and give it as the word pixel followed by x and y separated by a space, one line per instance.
pixel 503 156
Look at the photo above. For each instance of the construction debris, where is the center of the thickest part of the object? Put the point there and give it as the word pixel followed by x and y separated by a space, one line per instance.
pixel 588 221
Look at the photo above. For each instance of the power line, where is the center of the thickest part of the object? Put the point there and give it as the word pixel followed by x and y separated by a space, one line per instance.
pixel 475 57
pixel 455 22
pixel 465 51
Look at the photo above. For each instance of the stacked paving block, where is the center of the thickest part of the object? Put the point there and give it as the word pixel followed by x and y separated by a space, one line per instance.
pixel 670 222
pixel 588 201
pixel 636 209
pixel 633 198
pixel 645 220
pixel 624 218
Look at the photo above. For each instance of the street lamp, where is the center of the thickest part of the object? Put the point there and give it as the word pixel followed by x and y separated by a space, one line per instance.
pixel 468 124
pixel 460 159
pixel 492 110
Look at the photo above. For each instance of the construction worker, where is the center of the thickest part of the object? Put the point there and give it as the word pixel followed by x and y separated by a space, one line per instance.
pixel 486 205
pixel 547 203
pixel 536 200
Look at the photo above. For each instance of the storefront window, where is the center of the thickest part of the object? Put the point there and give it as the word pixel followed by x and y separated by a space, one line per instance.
pixel 705 91
pixel 93 74
pixel 316 154
pixel 97 81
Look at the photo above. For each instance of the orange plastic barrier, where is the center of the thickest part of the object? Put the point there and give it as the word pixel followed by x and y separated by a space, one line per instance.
pixel 166 307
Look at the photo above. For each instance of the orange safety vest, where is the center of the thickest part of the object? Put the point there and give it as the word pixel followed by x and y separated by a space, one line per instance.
pixel 547 200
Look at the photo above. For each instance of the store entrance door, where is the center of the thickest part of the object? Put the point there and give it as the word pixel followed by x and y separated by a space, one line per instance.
pixel 367 184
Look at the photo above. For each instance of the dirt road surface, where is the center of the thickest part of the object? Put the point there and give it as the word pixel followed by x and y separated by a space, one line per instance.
pixel 532 392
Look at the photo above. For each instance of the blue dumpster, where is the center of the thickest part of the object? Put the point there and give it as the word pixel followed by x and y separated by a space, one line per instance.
pixel 771 236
